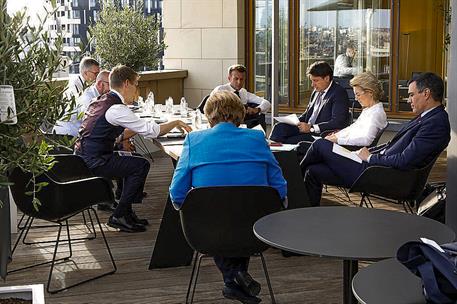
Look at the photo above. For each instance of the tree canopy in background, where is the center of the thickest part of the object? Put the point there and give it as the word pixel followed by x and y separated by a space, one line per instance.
pixel 123 35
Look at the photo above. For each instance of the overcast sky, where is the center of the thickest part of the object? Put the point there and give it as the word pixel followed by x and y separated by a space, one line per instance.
pixel 33 7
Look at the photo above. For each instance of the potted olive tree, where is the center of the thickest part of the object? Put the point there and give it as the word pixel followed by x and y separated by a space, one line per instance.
pixel 28 60
pixel 123 35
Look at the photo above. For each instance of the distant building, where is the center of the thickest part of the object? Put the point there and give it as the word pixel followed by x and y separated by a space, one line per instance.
pixel 72 19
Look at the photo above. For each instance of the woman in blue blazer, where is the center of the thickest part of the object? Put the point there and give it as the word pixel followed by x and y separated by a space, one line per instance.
pixel 226 155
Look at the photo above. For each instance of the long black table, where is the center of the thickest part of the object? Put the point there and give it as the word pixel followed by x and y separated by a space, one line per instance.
pixel 348 233
pixel 171 248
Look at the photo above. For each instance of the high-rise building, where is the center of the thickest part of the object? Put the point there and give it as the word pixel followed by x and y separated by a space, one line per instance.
pixel 72 19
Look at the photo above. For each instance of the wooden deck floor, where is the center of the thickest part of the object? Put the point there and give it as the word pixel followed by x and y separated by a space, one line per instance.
pixel 295 279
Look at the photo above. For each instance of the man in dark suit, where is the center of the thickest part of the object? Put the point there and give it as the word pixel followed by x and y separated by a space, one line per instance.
pixel 419 142
pixel 328 109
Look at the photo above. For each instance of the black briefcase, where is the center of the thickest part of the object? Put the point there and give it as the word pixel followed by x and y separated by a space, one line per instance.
pixel 433 205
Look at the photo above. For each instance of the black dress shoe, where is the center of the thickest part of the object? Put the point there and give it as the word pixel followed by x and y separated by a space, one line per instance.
pixel 234 292
pixel 137 220
pixel 125 224
pixel 247 283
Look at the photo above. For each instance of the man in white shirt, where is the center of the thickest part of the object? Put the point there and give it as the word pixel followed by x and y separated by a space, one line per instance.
pixel 256 106
pixel 71 127
pixel 105 120
pixel 343 64
pixel 88 71
pixel 69 123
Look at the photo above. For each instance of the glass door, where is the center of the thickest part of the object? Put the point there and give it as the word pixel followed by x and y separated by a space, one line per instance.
pixel 329 28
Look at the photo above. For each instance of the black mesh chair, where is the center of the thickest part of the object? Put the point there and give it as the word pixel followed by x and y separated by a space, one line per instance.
pixel 68 167
pixel 393 185
pixel 201 106
pixel 217 221
pixel 65 195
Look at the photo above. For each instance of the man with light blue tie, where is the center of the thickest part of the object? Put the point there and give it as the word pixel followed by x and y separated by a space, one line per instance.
pixel 327 110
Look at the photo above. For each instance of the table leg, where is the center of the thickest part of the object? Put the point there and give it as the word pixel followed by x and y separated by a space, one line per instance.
pixel 350 268
pixel 171 248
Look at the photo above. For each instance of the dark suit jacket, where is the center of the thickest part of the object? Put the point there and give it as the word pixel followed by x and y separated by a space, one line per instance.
pixel 334 114
pixel 417 143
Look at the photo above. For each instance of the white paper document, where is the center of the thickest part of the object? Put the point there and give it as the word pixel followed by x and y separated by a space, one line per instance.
pixel 432 243
pixel 291 119
pixel 346 153
pixel 259 128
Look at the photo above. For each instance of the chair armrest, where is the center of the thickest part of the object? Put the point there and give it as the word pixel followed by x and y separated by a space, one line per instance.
pixel 69 167
pixel 80 194
pixel 387 182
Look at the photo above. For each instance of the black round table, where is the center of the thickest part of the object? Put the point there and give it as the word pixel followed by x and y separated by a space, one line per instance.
pixel 347 233
pixel 387 281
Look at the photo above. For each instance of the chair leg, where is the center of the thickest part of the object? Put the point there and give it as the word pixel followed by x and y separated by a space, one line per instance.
pixel 90 237
pixel 369 202
pixel 19 227
pixel 194 265
pixel 196 277
pixel 267 277
pixel 407 207
pixel 69 243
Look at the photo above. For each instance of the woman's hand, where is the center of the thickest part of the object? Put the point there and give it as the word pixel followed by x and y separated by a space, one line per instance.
pixel 332 137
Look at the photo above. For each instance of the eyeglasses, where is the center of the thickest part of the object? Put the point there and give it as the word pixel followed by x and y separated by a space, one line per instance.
pixel 358 94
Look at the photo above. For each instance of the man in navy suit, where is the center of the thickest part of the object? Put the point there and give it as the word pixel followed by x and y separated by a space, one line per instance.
pixel 327 110
pixel 418 143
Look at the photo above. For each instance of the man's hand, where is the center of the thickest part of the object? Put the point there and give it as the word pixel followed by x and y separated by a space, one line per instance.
pixel 364 154
pixel 304 127
pixel 168 126
pixel 252 111
pixel 182 126
pixel 332 137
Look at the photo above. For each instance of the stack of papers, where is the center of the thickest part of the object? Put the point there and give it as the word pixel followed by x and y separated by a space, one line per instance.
pixel 291 119
pixel 346 153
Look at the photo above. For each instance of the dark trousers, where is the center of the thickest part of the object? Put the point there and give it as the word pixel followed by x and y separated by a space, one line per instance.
pixel 322 166
pixel 133 170
pixel 256 119
pixel 230 266
pixel 288 134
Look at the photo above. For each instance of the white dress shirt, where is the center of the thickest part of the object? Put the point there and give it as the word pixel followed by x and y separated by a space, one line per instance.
pixel 75 85
pixel 364 130
pixel 71 126
pixel 246 97
pixel 121 115
pixel 317 109
pixel 343 66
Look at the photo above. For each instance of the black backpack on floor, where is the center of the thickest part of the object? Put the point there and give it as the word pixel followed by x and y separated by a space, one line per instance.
pixel 432 203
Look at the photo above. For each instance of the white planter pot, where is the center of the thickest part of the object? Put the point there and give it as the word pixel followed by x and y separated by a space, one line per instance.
pixel 26 292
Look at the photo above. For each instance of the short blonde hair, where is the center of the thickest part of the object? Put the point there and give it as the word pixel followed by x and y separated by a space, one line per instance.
pixel 224 106
pixel 367 81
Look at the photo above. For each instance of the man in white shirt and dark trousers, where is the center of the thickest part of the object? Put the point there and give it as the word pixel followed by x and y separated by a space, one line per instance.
pixel 89 69
pixel 256 106
pixel 105 120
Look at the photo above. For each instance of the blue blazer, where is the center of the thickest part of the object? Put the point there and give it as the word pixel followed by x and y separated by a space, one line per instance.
pixel 334 113
pixel 417 143
pixel 225 156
